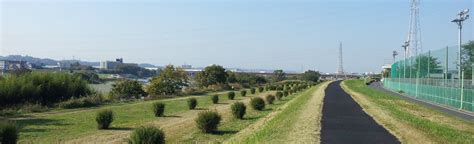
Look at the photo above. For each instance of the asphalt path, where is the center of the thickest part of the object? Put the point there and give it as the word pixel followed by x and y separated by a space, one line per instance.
pixel 344 121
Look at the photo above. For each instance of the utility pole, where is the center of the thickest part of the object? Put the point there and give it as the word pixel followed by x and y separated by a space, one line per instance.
pixel 462 16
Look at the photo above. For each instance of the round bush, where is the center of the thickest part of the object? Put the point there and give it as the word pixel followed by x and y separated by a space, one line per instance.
pixel 260 89
pixel 243 93
pixel 231 95
pixel 238 110
pixel 257 103
pixel 147 135
pixel 252 90
pixel 270 99
pixel 279 95
pixel 158 109
pixel 215 99
pixel 104 118
pixel 8 132
pixel 208 121
pixel 285 93
pixel 192 103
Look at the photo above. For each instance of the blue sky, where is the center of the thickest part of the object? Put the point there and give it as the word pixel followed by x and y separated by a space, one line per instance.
pixel 268 34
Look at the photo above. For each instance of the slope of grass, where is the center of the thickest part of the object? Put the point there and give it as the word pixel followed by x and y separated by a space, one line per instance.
pixel 59 126
pixel 277 129
pixel 435 126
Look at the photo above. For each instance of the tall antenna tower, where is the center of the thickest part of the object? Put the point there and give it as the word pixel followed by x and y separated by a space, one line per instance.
pixel 414 33
pixel 340 69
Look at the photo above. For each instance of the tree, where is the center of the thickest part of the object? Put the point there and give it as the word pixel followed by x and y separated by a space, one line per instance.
pixel 278 75
pixel 310 76
pixel 213 74
pixel 468 59
pixel 168 82
pixel 426 62
pixel 249 79
pixel 231 77
pixel 90 77
pixel 127 89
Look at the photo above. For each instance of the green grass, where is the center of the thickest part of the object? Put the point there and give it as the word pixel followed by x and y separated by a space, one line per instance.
pixel 229 128
pixel 103 88
pixel 56 126
pixel 278 127
pixel 436 131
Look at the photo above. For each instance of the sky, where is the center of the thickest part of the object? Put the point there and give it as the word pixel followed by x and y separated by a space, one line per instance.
pixel 293 35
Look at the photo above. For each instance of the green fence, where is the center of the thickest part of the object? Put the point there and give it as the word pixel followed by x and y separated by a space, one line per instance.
pixel 434 77
pixel 444 92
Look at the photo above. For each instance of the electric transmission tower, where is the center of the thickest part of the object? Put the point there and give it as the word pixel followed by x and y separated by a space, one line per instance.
pixel 414 34
pixel 412 46
pixel 340 69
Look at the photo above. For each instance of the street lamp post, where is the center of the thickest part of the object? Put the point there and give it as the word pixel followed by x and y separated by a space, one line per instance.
pixel 405 46
pixel 462 16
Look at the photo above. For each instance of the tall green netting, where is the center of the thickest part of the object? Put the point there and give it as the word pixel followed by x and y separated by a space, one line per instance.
pixel 433 77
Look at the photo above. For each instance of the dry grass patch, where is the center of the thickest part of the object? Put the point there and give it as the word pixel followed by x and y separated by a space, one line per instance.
pixel 410 122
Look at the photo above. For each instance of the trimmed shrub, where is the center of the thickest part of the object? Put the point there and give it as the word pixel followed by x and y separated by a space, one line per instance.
pixel 215 99
pixel 260 89
pixel 147 135
pixel 270 99
pixel 208 121
pixel 257 103
pixel 192 103
pixel 231 95
pixel 238 110
pixel 252 90
pixel 158 109
pixel 104 118
pixel 8 132
pixel 285 93
pixel 243 93
pixel 279 95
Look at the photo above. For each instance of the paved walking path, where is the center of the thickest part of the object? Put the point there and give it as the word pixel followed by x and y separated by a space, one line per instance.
pixel 344 121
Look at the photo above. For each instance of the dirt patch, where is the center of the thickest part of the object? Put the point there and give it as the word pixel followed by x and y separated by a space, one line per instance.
pixel 404 132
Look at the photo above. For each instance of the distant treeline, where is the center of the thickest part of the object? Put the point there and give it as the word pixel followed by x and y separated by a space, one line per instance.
pixel 41 88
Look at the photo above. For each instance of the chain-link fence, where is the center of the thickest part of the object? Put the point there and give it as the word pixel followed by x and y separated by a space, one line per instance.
pixel 434 76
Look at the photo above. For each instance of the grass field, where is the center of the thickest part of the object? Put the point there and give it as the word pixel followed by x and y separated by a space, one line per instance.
pixel 103 88
pixel 411 123
pixel 297 121
pixel 59 126
pixel 79 126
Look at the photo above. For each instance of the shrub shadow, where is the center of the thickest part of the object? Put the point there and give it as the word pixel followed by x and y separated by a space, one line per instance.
pixel 172 116
pixel 268 109
pixel 223 132
pixel 251 118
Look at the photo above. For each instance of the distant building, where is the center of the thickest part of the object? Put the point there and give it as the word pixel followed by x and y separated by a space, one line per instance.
pixel 111 64
pixel 7 65
pixel 185 66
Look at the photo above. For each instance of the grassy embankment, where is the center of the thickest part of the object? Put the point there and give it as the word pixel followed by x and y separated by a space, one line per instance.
pixel 62 125
pixel 297 121
pixel 410 122
pixel 232 127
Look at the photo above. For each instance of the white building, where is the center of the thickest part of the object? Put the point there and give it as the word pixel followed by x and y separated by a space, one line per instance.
pixel 6 65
